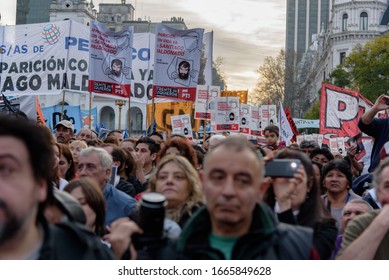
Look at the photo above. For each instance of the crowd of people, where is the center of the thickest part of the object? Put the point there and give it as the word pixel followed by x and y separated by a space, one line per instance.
pixel 69 195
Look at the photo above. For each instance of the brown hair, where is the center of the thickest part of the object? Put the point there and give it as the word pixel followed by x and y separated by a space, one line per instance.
pixel 94 198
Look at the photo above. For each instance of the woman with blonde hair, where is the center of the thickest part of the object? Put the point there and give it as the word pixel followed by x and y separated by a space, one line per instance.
pixel 177 179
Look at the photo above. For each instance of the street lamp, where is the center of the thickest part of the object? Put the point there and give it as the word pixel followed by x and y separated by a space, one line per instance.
pixel 120 103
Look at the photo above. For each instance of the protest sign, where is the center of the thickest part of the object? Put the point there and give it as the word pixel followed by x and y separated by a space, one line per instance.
pixel 177 62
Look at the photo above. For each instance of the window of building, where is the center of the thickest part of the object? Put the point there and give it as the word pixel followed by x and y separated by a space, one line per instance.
pixel 363 23
pixel 344 22
pixel 342 56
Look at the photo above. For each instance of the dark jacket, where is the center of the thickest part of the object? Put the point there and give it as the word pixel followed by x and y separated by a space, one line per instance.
pixel 265 240
pixel 68 241
pixel 324 237
pixel 126 187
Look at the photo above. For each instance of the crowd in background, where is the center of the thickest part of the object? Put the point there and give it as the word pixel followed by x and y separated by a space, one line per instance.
pixel 69 195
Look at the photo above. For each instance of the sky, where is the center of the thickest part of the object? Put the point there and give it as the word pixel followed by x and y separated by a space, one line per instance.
pixel 245 31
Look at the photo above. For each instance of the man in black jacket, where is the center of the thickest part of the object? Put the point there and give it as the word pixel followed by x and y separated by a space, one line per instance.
pixel 26 172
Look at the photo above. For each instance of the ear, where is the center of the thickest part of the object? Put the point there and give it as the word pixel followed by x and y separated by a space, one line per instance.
pixel 41 192
pixel 108 173
pixel 153 156
pixel 116 163
pixel 264 186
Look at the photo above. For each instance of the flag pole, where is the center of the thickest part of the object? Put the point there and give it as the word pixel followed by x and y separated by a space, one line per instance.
pixel 90 110
pixel 129 115
pixel 63 105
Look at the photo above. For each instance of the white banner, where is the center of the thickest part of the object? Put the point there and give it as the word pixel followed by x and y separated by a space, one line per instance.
pixel 245 115
pixel 208 55
pixel 255 121
pixel 44 58
pixel 110 60
pixel 181 125
pixel 225 117
pixel 142 67
pixel 177 62
pixel 268 115
pixel 286 132
pixel 205 101
pixel 30 65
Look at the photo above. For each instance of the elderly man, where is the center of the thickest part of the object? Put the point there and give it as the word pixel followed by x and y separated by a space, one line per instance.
pixel 64 131
pixel 96 163
pixel 26 172
pixel 84 134
pixel 352 209
pixel 367 236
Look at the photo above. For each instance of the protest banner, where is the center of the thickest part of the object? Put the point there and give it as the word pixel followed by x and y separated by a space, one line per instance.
pixel 33 63
pixel 164 110
pixel 242 94
pixel 225 117
pixel 208 56
pixel 79 118
pixel 268 115
pixel 245 115
pixel 205 101
pixel 110 56
pixel 44 58
pixel 305 123
pixel 286 131
pixel 142 68
pixel 340 111
pixel 181 125
pixel 177 62
pixel 25 105
pixel 255 121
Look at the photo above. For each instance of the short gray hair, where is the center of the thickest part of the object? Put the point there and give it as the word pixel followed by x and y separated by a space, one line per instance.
pixel 104 156
pixel 359 201
pixel 378 171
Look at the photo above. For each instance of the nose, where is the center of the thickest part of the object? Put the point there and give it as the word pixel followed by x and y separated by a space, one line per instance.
pixel 170 179
pixel 228 188
pixel 82 171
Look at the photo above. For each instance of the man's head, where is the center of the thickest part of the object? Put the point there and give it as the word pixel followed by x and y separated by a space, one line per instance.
pixel 322 155
pixel 117 134
pixel 95 163
pixel 307 146
pixel 26 173
pixel 183 70
pixel 354 208
pixel 116 67
pixel 214 140
pixel 271 133
pixel 381 181
pixel 232 179
pixel 64 131
pixel 119 156
pixel 148 149
pixel 85 134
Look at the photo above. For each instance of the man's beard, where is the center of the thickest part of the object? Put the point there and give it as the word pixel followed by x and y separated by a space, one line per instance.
pixel 10 227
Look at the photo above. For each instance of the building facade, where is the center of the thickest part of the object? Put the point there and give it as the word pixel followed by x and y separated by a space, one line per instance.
pixel 32 11
pixel 352 23
pixel 304 19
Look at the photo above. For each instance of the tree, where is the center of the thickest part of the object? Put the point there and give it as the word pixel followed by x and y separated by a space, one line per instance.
pixel 270 86
pixel 366 69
